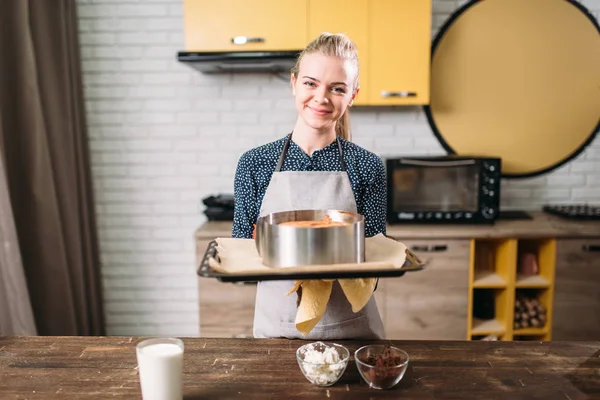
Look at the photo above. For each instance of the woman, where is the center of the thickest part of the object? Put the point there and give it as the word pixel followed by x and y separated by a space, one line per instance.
pixel 314 167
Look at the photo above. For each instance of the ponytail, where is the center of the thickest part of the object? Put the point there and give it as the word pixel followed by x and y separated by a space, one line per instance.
pixel 342 126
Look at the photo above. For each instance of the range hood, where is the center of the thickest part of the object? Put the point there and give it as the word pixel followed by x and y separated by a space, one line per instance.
pixel 240 61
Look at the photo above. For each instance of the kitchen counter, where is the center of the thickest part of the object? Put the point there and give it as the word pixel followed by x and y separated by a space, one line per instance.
pixel 105 368
pixel 437 303
pixel 542 225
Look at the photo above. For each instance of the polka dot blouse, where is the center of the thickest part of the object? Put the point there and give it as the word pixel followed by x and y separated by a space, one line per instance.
pixel 255 167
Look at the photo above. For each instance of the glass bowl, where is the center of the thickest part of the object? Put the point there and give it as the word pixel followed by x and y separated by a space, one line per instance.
pixel 381 366
pixel 322 363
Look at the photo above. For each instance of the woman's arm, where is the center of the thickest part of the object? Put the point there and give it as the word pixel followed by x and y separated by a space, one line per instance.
pixel 245 197
pixel 373 202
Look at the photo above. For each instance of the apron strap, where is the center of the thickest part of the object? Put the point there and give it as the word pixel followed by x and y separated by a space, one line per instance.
pixel 337 138
pixel 283 153
pixel 287 145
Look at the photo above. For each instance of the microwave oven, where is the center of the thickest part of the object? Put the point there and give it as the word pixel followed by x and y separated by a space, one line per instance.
pixel 443 189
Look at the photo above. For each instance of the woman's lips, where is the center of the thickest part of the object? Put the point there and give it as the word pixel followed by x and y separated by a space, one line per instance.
pixel 318 111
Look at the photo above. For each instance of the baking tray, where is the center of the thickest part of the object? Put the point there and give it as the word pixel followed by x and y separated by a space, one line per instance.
pixel 412 264
pixel 581 212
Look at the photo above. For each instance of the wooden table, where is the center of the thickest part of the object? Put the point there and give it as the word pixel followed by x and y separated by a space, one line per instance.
pixel 105 368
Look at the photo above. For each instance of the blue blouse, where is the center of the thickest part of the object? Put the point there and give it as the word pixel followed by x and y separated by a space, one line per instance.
pixel 255 168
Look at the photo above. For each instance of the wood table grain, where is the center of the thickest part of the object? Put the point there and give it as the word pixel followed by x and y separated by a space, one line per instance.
pixel 105 368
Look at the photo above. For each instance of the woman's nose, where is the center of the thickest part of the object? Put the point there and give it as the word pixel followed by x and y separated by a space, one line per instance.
pixel 321 95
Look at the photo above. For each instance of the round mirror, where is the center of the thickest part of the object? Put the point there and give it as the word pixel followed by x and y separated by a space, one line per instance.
pixel 519 80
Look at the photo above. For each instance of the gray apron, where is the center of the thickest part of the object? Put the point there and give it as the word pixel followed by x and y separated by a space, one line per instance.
pixel 275 311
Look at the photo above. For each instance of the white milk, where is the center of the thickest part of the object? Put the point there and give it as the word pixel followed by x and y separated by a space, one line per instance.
pixel 160 363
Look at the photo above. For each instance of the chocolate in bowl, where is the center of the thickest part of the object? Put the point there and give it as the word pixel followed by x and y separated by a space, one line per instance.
pixel 381 366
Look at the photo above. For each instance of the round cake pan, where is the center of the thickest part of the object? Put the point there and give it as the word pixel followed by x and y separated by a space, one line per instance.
pixel 282 245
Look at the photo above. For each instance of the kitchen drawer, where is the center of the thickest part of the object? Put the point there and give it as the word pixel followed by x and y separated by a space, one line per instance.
pixel 226 309
pixel 577 290
pixel 433 303
pixel 275 24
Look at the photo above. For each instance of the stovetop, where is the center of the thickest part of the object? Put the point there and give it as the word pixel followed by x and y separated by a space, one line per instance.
pixel 574 211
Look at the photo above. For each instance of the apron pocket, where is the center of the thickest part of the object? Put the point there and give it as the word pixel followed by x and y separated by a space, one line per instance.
pixel 361 321
pixel 358 323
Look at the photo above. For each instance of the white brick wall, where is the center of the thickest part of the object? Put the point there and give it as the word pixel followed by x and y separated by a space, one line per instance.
pixel 163 136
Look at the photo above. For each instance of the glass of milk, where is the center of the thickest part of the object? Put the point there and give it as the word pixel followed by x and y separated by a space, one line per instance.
pixel 160 362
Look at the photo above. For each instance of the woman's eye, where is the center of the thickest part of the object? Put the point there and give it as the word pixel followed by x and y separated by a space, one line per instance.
pixel 339 90
pixel 309 83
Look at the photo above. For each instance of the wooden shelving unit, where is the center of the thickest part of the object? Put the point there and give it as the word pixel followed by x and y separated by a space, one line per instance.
pixel 488 280
pixel 487 327
pixel 530 331
pixel 495 274
pixel 532 281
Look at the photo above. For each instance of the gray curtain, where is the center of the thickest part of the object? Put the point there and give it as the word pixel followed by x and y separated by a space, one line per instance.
pixel 44 147
pixel 16 317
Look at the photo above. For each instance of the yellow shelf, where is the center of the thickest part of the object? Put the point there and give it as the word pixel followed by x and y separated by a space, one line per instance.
pixel 485 280
pixel 487 327
pixel 494 266
pixel 530 331
pixel 532 281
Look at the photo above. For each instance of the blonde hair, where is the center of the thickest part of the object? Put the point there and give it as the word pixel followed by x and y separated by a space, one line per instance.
pixel 336 45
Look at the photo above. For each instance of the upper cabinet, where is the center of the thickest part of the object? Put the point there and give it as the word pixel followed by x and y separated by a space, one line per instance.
pixel 394 41
pixel 399 52
pixel 393 37
pixel 240 25
pixel 335 16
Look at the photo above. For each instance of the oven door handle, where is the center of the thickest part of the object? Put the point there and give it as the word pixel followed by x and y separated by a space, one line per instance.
pixel 457 163
pixel 430 248
pixel 591 248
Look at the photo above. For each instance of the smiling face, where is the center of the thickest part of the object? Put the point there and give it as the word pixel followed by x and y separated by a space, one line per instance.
pixel 323 88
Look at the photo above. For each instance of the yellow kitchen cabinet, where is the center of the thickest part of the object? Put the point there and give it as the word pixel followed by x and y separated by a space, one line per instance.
pixel 335 16
pixel 240 25
pixel 399 52
pixel 394 42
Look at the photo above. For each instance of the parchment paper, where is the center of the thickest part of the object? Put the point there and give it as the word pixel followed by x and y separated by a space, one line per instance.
pixel 241 256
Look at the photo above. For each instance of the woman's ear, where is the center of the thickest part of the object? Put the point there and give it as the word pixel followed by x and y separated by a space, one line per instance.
pixel 293 84
pixel 353 97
